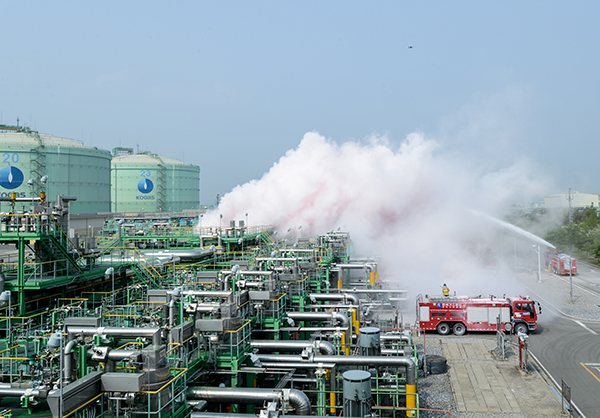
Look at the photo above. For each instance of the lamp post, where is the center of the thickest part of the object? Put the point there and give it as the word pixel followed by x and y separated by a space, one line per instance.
pixel 30 185
pixel 110 272
pixel 571 276
pixel 536 248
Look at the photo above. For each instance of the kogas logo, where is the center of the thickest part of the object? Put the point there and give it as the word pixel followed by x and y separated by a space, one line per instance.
pixel 145 185
pixel 11 177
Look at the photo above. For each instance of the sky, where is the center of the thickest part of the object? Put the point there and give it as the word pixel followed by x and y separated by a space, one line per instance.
pixel 231 86
pixel 375 117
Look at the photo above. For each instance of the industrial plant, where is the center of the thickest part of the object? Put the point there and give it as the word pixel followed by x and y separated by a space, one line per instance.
pixel 161 317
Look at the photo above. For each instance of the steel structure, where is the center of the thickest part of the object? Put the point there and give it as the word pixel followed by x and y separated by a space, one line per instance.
pixel 160 320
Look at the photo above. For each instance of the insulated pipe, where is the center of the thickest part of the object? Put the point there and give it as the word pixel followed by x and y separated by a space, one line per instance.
pixel 350 266
pixel 297 399
pixel 392 352
pixel 293 365
pixel 368 291
pixel 320 316
pixel 407 362
pixel 120 355
pixel 18 392
pixel 336 296
pixel 324 347
pixel 323 316
pixel 154 333
pixel 395 337
pixel 208 293
pixel 226 415
pixel 171 314
pixel 202 308
pixel 250 273
pixel 67 369
pixel 301 329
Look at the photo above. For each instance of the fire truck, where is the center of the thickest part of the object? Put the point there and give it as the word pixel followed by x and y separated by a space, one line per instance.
pixel 460 314
pixel 560 263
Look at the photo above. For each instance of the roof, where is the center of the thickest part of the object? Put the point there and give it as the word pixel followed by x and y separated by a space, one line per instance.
pixel 30 140
pixel 146 158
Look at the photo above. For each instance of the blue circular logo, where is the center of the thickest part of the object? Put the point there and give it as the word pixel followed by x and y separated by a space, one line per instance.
pixel 145 185
pixel 11 177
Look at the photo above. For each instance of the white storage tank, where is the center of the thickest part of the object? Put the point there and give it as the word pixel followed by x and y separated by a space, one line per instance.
pixel 146 182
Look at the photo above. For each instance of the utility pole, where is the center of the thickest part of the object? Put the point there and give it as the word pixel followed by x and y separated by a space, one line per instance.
pixel 570 198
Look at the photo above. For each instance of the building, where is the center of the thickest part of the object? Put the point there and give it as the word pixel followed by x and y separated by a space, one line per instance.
pixel 577 200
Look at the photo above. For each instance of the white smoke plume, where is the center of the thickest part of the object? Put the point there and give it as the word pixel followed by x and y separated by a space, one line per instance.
pixel 408 204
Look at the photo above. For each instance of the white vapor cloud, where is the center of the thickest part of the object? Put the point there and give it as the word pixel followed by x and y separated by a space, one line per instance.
pixel 409 204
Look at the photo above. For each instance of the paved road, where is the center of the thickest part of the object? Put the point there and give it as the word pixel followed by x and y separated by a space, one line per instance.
pixel 569 347
pixel 571 352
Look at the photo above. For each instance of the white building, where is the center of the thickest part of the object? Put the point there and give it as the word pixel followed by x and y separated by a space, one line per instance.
pixel 578 200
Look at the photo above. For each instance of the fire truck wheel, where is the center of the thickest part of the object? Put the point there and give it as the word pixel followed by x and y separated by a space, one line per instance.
pixel 459 329
pixel 443 328
pixel 521 328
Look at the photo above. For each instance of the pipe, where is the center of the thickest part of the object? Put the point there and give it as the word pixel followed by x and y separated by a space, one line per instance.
pixel 324 347
pixel 171 313
pixel 250 273
pixel 300 329
pixel 320 316
pixel 154 333
pixel 336 296
pixel 208 293
pixel 295 365
pixel 229 415
pixel 384 291
pixel 350 266
pixel 323 316
pixel 120 355
pixel 407 362
pixel 67 370
pixel 18 392
pixel 392 352
pixel 297 399
pixel 395 337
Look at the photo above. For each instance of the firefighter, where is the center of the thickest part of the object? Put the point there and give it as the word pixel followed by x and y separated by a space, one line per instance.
pixel 445 290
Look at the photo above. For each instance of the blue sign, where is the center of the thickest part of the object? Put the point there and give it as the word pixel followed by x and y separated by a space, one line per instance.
pixel 145 185
pixel 11 177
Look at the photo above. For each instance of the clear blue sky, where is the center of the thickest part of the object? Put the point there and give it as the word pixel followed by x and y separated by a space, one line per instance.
pixel 231 86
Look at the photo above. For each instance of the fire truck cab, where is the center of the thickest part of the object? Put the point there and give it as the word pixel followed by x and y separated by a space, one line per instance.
pixel 460 314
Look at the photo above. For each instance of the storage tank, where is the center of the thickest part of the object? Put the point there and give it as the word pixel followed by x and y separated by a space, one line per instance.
pixel 146 182
pixel 369 342
pixel 357 393
pixel 73 169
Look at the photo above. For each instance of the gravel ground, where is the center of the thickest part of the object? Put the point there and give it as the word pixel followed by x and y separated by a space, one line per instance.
pixel 435 390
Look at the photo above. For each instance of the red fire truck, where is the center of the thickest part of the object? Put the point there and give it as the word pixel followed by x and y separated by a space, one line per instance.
pixel 560 263
pixel 460 314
